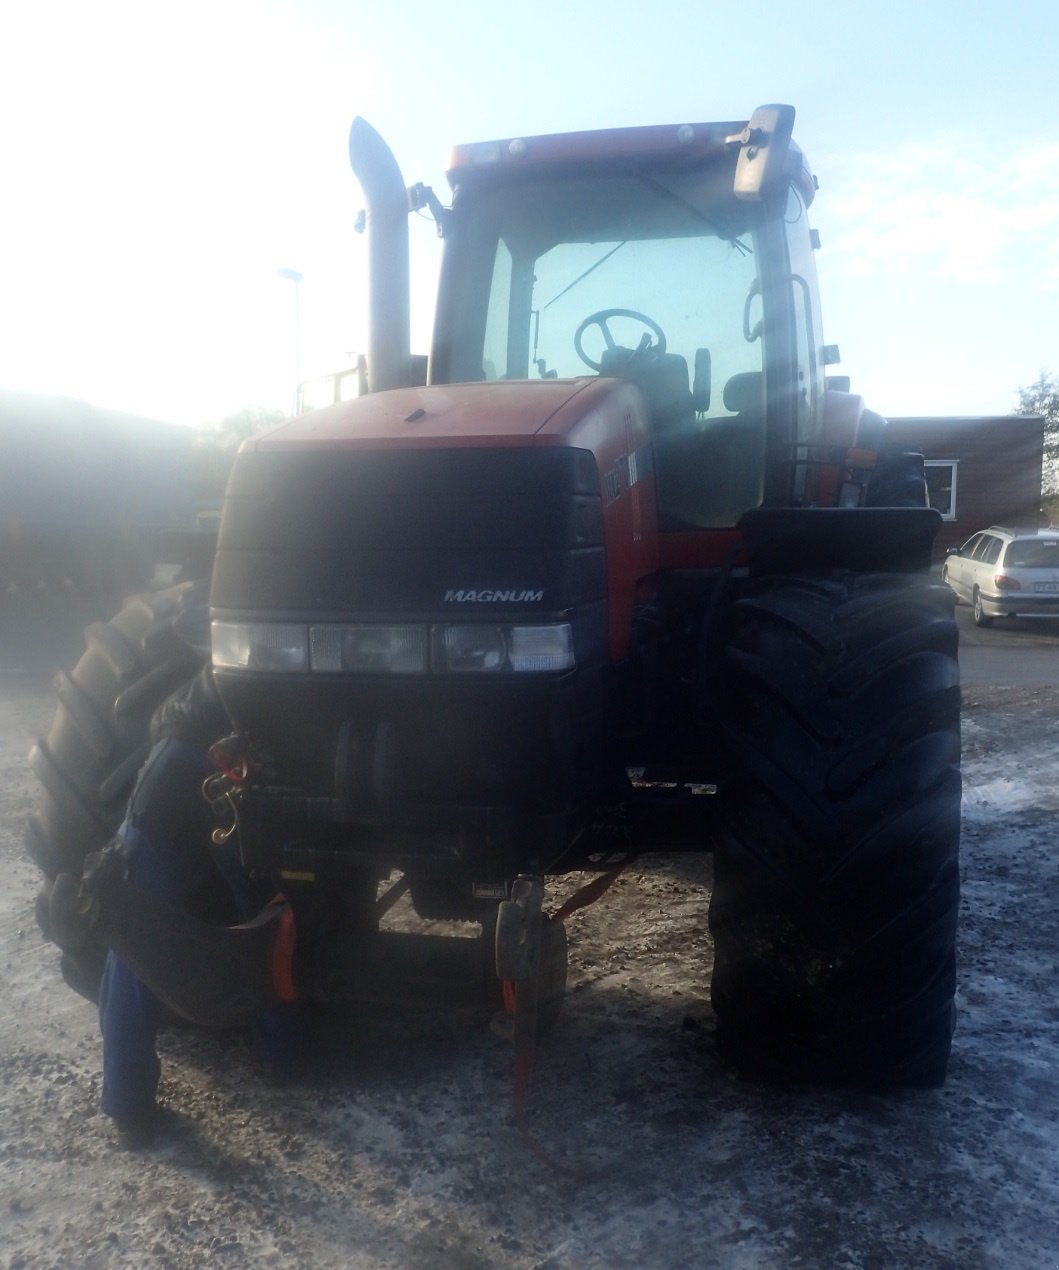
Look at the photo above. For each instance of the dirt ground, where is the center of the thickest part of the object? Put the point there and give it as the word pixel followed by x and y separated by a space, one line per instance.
pixel 398 1149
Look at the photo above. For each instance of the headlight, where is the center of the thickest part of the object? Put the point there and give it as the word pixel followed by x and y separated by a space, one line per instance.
pixel 542 648
pixel 260 645
pixel 394 650
pixel 482 648
pixel 469 648
pixel 333 648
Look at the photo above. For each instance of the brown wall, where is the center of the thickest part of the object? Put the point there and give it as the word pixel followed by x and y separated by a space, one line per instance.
pixel 999 468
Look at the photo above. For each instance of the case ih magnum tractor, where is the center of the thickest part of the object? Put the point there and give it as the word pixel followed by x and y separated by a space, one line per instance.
pixel 623 575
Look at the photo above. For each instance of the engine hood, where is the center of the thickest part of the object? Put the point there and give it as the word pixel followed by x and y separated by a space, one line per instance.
pixel 486 414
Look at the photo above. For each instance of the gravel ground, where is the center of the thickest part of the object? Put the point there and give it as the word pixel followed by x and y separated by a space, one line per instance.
pixel 398 1149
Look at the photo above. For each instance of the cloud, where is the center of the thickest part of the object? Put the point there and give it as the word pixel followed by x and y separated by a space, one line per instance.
pixel 949 209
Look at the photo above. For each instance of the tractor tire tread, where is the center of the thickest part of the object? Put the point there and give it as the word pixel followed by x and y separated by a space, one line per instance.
pixel 837 885
pixel 98 740
pixel 88 761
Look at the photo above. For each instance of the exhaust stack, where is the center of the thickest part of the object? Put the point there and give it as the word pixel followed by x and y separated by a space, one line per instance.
pixel 389 336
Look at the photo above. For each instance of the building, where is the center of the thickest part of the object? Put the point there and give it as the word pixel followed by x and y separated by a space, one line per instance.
pixel 981 470
pixel 87 493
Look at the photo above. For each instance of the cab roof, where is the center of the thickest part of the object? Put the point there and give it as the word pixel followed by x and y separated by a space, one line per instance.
pixel 685 144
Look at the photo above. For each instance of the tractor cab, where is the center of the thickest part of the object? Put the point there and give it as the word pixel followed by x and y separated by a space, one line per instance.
pixel 631 254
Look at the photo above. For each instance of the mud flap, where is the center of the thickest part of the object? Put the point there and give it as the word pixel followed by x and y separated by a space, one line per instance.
pixel 216 976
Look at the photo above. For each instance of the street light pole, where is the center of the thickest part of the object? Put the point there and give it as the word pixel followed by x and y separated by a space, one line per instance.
pixel 292 275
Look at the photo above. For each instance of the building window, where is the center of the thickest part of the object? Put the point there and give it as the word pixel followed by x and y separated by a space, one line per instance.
pixel 941 485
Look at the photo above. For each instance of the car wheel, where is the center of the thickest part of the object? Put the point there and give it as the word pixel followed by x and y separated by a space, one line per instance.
pixel 945 579
pixel 981 618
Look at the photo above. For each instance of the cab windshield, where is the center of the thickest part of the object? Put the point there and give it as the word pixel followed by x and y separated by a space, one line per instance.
pixel 653 277
pixel 544 257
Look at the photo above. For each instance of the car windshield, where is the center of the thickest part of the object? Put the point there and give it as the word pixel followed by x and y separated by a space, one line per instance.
pixel 1033 553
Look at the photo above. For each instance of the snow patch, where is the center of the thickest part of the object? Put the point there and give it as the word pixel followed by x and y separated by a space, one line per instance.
pixel 1004 794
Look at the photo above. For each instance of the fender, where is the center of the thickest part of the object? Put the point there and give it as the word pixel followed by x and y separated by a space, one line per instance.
pixel 865 539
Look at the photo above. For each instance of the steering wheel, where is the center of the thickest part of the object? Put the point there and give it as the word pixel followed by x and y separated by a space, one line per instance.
pixel 602 317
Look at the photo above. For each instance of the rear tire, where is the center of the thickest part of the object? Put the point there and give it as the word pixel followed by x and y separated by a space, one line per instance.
pixel 981 618
pixel 99 739
pixel 836 882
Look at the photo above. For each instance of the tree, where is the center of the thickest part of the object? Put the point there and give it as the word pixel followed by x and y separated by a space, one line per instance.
pixel 1042 398
pixel 214 448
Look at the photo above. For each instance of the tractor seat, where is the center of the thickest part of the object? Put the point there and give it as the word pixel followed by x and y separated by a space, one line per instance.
pixel 744 395
pixel 663 379
pixel 709 477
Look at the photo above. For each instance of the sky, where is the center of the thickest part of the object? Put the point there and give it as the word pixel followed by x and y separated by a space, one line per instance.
pixel 161 163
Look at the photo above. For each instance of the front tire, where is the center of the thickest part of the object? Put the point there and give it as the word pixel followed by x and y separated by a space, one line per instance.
pixel 98 740
pixel 836 882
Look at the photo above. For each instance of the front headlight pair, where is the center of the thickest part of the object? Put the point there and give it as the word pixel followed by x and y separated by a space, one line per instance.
pixel 333 648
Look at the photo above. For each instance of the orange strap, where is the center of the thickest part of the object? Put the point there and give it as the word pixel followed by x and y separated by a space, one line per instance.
pixel 283 953
pixel 591 892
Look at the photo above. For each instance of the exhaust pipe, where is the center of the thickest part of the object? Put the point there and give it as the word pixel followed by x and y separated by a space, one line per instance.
pixel 389 336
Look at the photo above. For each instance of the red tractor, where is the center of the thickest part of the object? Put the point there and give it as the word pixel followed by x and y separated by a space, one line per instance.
pixel 617 570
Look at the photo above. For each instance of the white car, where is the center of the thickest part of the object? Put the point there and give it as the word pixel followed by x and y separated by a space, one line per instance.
pixel 1006 573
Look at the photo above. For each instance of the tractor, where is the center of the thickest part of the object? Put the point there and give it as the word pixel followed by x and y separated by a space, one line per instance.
pixel 618 569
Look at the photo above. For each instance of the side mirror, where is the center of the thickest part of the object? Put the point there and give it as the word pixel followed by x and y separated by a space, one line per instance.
pixel 763 146
pixel 953 551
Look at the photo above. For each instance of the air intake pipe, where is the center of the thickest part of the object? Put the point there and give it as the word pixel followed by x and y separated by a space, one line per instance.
pixel 389 337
